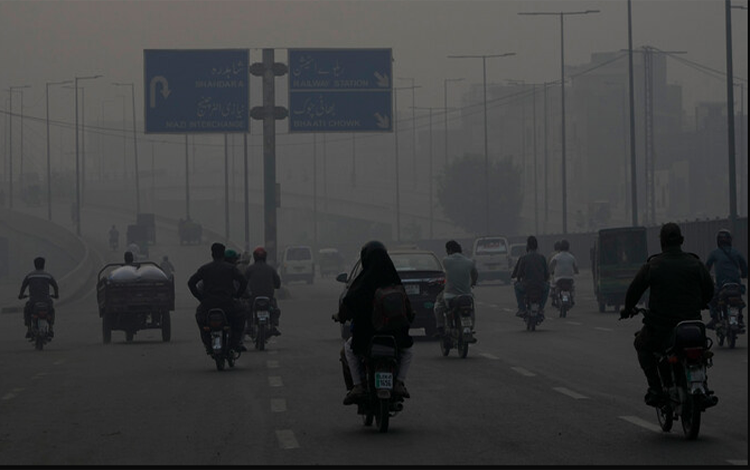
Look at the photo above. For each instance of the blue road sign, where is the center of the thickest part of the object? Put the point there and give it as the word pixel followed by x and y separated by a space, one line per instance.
pixel 340 90
pixel 191 91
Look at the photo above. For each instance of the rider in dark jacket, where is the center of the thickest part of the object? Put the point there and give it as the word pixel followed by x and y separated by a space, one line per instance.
pixel 729 266
pixel 262 281
pixel 680 288
pixel 530 268
pixel 38 281
pixel 219 291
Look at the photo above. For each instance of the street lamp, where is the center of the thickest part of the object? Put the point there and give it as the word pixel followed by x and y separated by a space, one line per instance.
pixel 445 109
pixel 486 155
pixel 429 108
pixel 562 14
pixel 49 171
pixel 78 174
pixel 135 151
pixel 413 129
pixel 730 117
pixel 10 172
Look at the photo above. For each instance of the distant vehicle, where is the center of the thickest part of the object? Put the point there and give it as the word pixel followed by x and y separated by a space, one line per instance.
pixel 492 258
pixel 190 232
pixel 516 251
pixel 297 264
pixel 423 277
pixel 616 257
pixel 330 261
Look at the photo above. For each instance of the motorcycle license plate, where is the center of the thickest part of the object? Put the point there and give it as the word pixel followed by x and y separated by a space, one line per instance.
pixel 216 342
pixel 733 319
pixel 383 380
pixel 263 315
pixel 565 298
pixel 43 326
pixel 465 321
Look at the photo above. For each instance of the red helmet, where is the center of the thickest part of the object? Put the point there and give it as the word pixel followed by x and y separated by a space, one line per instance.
pixel 259 254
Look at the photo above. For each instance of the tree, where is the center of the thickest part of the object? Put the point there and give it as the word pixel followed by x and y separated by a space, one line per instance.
pixel 461 193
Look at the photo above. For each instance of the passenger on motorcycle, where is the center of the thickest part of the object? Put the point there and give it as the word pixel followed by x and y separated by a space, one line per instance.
pixel 460 276
pixel 357 305
pixel 219 291
pixel 530 268
pixel 38 281
pixel 680 288
pixel 563 267
pixel 729 266
pixel 129 258
pixel 262 280
pixel 167 266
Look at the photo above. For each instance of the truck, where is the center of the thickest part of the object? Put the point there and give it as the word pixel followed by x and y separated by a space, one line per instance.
pixel 134 297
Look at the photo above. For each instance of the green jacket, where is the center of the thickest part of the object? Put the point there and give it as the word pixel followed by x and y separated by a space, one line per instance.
pixel 680 284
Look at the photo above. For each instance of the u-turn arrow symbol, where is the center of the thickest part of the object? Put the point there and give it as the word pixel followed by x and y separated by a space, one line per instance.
pixel 152 89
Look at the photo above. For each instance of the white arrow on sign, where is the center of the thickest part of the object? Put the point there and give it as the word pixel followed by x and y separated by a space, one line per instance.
pixel 164 89
pixel 383 121
pixel 382 80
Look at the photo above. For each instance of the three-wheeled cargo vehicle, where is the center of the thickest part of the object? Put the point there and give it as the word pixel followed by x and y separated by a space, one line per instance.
pixel 134 297
pixel 616 257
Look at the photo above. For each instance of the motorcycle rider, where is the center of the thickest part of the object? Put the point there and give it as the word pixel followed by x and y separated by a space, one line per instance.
pixel 729 266
pixel 530 268
pixel 129 258
pixel 563 266
pixel 39 281
pixel 114 237
pixel 219 291
pixel 680 288
pixel 357 305
pixel 167 266
pixel 460 276
pixel 262 280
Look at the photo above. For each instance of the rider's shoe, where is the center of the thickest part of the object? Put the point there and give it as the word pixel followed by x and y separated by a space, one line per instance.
pixel 521 313
pixel 400 389
pixel 354 394
pixel 28 334
pixel 274 331
pixel 653 397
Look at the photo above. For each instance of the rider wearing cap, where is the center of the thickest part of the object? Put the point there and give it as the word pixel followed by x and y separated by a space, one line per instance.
pixel 262 280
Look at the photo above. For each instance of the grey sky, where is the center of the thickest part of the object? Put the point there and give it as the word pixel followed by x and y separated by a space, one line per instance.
pixel 43 41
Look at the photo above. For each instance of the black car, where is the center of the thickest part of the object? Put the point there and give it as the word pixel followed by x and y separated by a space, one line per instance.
pixel 423 277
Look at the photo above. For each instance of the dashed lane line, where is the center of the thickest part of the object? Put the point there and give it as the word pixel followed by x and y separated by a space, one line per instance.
pixel 573 323
pixel 275 381
pixel 58 362
pixel 273 351
pixel 570 393
pixel 272 364
pixel 286 439
pixel 523 372
pixel 278 405
pixel 738 462
pixel 489 356
pixel 13 393
pixel 642 423
pixel 601 328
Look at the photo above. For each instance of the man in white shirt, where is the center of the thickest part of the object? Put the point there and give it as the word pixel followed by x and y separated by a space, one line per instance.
pixel 563 267
pixel 460 276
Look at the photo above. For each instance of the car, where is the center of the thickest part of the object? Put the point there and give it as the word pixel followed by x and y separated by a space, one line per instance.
pixel 297 264
pixel 516 251
pixel 423 277
pixel 492 258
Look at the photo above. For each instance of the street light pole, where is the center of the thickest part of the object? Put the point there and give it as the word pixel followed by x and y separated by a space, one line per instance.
pixel 730 119
pixel 429 108
pixel 631 103
pixel 49 171
pixel 135 150
pixel 78 173
pixel 10 137
pixel 562 14
pixel 445 110
pixel 413 130
pixel 486 154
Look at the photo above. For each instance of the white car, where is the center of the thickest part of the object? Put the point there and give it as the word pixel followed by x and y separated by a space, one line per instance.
pixel 492 257
pixel 297 264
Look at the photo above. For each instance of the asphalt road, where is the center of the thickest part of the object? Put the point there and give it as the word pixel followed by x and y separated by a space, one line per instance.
pixel 570 393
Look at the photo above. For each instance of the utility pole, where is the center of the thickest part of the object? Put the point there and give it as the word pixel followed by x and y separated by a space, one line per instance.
pixel 10 137
pixel 413 130
pixel 49 171
pixel 135 150
pixel 430 176
pixel 631 102
pixel 445 111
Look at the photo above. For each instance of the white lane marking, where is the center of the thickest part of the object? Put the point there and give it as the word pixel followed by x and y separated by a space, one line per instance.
pixel 738 462
pixel 506 309
pixel 570 393
pixel 278 405
pixel 642 423
pixel 272 364
pixel 492 305
pixel 9 396
pixel 273 351
pixel 39 375
pixel 573 323
pixel 58 362
pixel 489 356
pixel 601 328
pixel 523 372
pixel 275 381
pixel 286 439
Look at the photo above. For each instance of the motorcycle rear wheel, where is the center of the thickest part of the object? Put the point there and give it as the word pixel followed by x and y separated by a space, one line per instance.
pixel 463 348
pixel 383 415
pixel 39 342
pixel 219 363
pixel 691 417
pixel 563 311
pixel 445 347
pixel 367 418
pixel 260 338
pixel 731 339
pixel 166 327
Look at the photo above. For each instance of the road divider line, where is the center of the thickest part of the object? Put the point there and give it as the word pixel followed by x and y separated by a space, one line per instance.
pixel 601 328
pixel 275 381
pixel 573 323
pixel 641 422
pixel 272 364
pixel 58 362
pixel 278 405
pixel 286 439
pixel 9 396
pixel 570 393
pixel 523 372
pixel 489 356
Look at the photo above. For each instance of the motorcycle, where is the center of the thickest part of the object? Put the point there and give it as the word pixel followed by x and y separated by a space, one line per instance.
pixel 682 372
pixel 40 326
pixel 729 311
pixel 564 296
pixel 533 314
pixel 380 368
pixel 259 322
pixel 459 325
pixel 219 330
